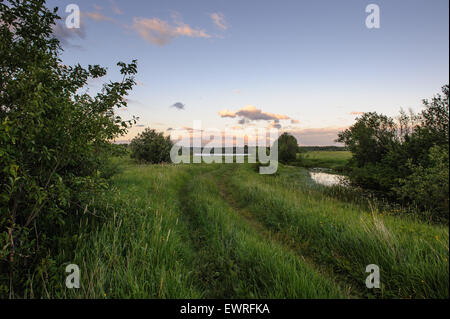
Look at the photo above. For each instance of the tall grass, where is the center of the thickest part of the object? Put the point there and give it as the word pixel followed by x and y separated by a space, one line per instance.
pixel 141 250
pixel 184 231
pixel 235 262
pixel 412 256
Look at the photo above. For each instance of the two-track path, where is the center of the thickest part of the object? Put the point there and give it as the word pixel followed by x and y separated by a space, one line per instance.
pixel 281 239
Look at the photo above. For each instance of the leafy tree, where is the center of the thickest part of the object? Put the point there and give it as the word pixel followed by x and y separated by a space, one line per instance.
pixel 53 140
pixel 287 148
pixel 369 139
pixel 151 147
pixel 435 117
pixel 407 157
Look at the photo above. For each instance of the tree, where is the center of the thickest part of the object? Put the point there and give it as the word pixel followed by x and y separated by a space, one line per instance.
pixel 435 117
pixel 369 139
pixel 406 157
pixel 287 148
pixel 53 140
pixel 151 147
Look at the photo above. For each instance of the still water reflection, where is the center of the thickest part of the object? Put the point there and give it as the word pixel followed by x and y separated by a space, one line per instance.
pixel 326 179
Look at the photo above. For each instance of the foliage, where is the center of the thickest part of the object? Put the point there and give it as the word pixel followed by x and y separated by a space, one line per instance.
pixel 53 140
pixel 392 155
pixel 428 187
pixel 369 139
pixel 151 147
pixel 287 148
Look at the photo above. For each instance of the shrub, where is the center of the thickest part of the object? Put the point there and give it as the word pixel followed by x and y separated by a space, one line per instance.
pixel 428 187
pixel 287 148
pixel 151 147
pixel 53 142
pixel 405 158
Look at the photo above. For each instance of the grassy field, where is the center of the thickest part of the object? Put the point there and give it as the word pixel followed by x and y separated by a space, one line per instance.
pixel 224 231
pixel 325 159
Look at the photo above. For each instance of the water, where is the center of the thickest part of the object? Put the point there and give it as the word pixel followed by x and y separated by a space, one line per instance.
pixel 327 179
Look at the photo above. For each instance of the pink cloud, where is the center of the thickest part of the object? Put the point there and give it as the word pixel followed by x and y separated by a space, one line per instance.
pixel 160 32
pixel 226 113
pixel 98 16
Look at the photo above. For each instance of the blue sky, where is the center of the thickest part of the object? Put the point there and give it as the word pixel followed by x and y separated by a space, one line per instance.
pixel 307 66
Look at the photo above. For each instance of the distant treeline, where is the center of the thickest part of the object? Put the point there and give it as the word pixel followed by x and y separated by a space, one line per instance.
pixel 224 150
pixel 322 148
pixel 301 148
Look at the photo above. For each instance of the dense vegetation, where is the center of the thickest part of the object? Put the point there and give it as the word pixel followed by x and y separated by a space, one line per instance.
pixel 406 158
pixel 54 141
pixel 151 147
pixel 287 148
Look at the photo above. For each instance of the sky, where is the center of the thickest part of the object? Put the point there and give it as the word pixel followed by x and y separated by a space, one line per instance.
pixel 308 67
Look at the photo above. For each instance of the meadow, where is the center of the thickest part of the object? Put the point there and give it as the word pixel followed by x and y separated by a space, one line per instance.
pixel 335 160
pixel 225 231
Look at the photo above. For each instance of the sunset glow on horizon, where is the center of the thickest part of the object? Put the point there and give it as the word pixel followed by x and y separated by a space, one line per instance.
pixel 304 67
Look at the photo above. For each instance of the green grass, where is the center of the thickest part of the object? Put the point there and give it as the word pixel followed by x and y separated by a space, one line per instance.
pixel 412 256
pixel 224 231
pixel 170 234
pixel 325 159
pixel 142 249
pixel 234 261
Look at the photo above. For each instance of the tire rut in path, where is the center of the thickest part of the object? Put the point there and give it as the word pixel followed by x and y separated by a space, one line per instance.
pixel 283 240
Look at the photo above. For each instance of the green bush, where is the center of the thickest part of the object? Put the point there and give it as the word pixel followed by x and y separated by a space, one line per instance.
pixel 151 147
pixel 53 143
pixel 287 148
pixel 428 187
pixel 405 158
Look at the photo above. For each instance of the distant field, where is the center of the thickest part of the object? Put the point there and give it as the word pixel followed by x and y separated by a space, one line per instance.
pixel 225 231
pixel 326 159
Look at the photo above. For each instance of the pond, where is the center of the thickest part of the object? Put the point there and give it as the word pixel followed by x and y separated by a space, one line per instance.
pixel 323 177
